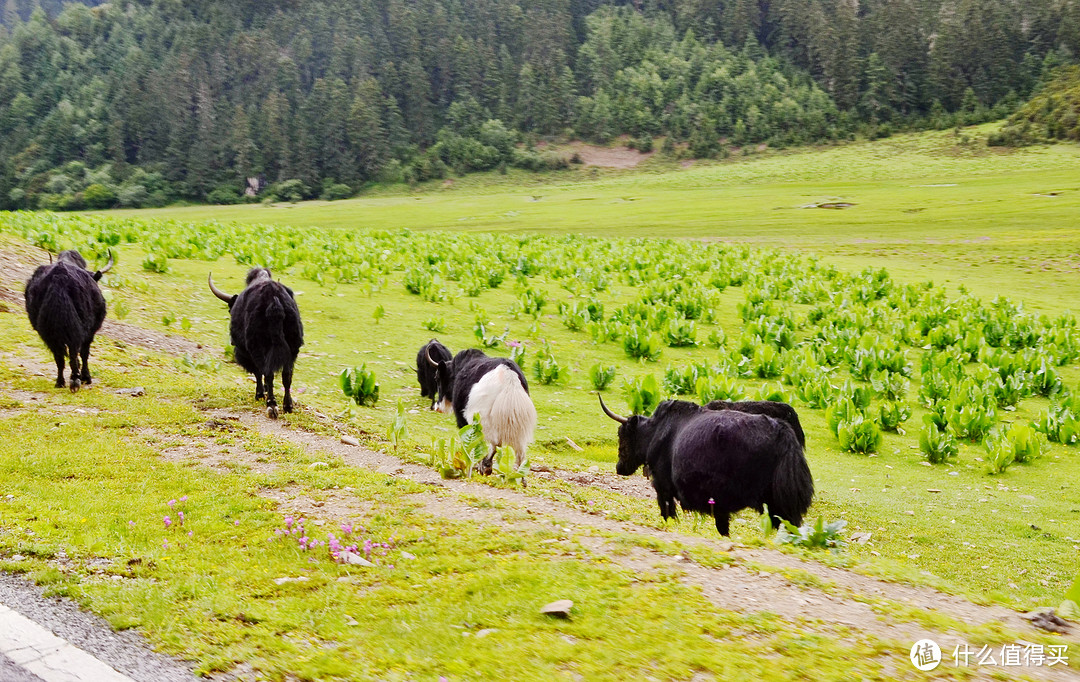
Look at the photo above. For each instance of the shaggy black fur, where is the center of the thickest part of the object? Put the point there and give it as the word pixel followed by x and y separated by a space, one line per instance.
pixel 781 411
pixel 428 375
pixel 266 334
pixel 458 376
pixel 66 309
pixel 737 459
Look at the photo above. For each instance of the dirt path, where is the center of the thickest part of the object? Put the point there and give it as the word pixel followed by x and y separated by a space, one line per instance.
pixel 848 600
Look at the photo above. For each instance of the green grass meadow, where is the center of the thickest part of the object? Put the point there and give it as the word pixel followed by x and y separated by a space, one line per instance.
pixel 938 207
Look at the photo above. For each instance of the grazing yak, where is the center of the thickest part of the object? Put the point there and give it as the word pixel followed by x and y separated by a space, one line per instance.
pixel 266 333
pixel 495 389
pixel 427 373
pixel 66 308
pixel 776 410
pixel 717 462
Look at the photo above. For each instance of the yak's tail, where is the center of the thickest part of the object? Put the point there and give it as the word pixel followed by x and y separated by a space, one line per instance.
pixel 792 485
pixel 277 355
pixel 505 408
pixel 59 321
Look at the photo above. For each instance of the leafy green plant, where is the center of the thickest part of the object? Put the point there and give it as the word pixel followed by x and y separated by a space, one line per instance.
pixel 937 444
pixel 719 387
pixel 821 535
pixel 156 262
pixel 892 386
pixel 601 376
pixel 446 457
pixel 716 338
pixel 503 465
pixel 642 394
pixel 398 429
pixel 545 368
pixel 485 339
pixel 971 410
pixel 532 301
pixel 168 318
pixel 682 380
pixel 815 389
pixel 379 313
pixel 858 394
pixel 681 332
pixel 641 344
pixel 435 324
pixel 575 316
pixel 1021 443
pixel 859 434
pixel 360 385
pixel 774 392
pixel 843 410
pixel 1061 421
pixel 767 362
pixel 935 387
pixel 473 446
pixel 517 353
pixel 892 414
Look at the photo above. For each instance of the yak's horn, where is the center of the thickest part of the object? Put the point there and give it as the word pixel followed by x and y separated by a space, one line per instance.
pixel 621 420
pixel 427 354
pixel 108 266
pixel 217 292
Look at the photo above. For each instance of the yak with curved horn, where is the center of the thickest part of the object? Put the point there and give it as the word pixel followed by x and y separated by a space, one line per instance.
pixel 427 373
pixel 66 309
pixel 266 333
pixel 717 462
pixel 494 390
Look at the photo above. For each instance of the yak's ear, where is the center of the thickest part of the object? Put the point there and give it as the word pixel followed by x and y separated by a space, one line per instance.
pixel 232 300
pixel 97 276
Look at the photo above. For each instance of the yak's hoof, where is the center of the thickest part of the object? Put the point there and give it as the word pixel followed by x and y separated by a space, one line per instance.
pixel 271 411
pixel 86 379
pixel 75 383
pixel 60 383
pixel 287 407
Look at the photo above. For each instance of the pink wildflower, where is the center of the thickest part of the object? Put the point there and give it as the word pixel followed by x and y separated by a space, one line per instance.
pixel 167 521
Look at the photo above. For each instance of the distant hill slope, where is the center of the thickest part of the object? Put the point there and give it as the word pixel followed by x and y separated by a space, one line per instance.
pixel 1052 114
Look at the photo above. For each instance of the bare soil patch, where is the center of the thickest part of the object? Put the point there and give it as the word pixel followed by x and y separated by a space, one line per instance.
pixel 608 157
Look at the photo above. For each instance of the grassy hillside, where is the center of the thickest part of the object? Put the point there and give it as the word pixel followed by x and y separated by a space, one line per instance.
pixel 1009 212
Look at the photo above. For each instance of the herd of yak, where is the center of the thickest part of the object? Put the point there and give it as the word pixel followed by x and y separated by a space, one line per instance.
pixel 714 459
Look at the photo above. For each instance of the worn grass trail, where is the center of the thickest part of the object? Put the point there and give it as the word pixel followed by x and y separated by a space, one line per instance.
pixel 459 588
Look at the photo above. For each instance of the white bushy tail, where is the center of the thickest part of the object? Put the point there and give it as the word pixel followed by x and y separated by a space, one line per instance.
pixel 506 411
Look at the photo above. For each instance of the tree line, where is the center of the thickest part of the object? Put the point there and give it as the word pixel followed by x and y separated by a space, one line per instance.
pixel 143 102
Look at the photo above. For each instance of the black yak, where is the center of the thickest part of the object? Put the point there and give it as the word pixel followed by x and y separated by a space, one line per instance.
pixel 427 373
pixel 776 410
pixel 717 462
pixel 495 389
pixel 266 333
pixel 66 309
